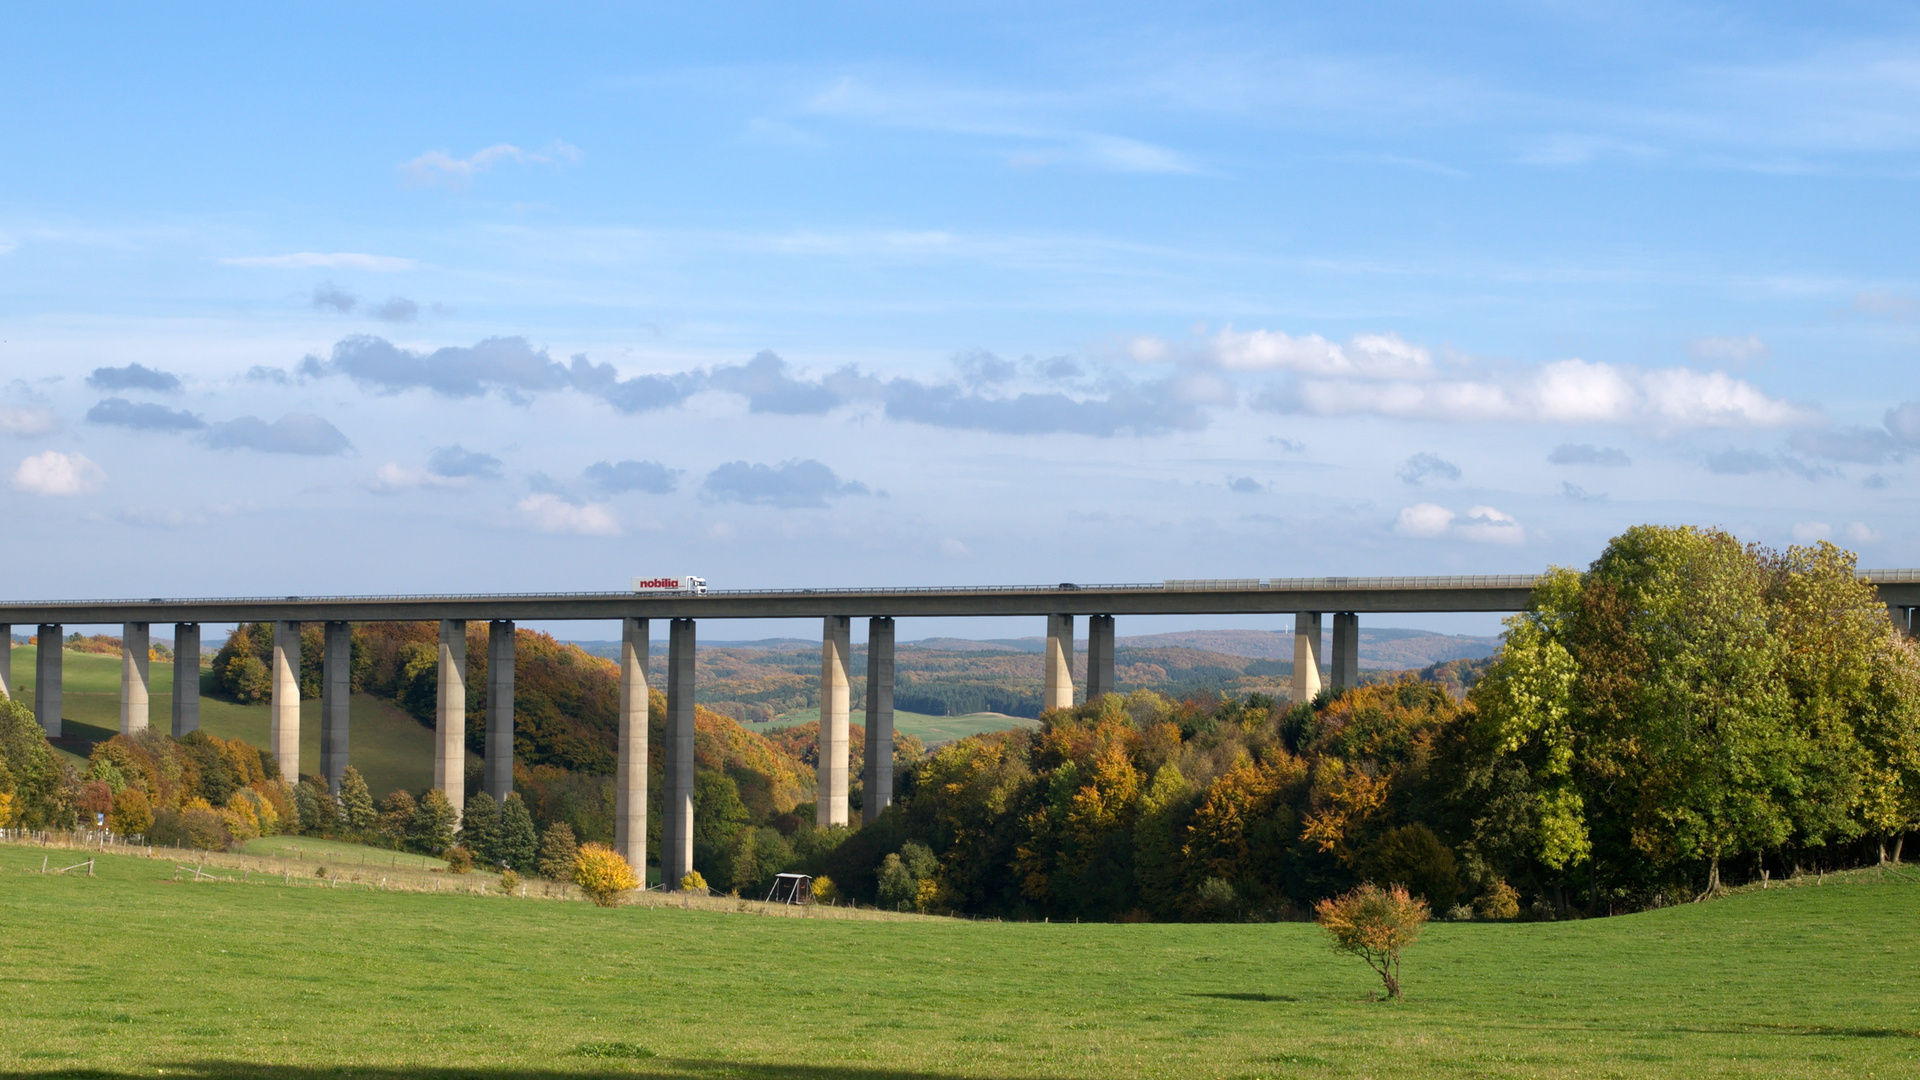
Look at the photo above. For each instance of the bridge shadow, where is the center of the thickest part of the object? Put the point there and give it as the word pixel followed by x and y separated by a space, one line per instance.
pixel 634 1067
pixel 1246 997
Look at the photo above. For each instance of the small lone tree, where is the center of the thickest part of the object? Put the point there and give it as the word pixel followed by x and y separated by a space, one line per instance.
pixel 602 874
pixel 519 844
pixel 1374 924
pixel 558 852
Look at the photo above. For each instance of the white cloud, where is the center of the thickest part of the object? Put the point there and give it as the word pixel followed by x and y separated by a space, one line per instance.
pixel 391 478
pixel 1729 350
pixel 1561 392
pixel 1489 526
pixel 1806 532
pixel 1859 532
pixel 27 423
pixel 1482 524
pixel 55 473
pixel 954 549
pixel 318 260
pixel 551 513
pixel 1424 520
pixel 437 168
pixel 1365 356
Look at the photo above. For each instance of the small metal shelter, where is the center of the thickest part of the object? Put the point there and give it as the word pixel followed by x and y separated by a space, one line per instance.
pixel 791 889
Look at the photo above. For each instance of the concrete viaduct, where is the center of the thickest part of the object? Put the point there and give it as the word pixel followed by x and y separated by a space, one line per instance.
pixel 1307 599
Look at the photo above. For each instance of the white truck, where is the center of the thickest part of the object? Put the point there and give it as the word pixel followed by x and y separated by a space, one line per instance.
pixel 695 585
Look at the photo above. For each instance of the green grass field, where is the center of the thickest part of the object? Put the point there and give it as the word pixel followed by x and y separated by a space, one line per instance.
pixel 391 749
pixel 130 974
pixel 928 729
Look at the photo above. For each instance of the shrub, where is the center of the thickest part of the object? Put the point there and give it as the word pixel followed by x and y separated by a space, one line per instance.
pixel 1215 901
pixel 824 890
pixel 603 874
pixel 693 882
pixel 1501 901
pixel 1374 924
pixel 459 860
pixel 896 886
pixel 509 881
pixel 558 852
pixel 930 898
pixel 132 815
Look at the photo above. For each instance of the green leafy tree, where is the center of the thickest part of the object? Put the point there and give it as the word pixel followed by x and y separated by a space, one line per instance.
pixel 519 844
pixel 480 828
pixel 356 803
pixel 30 772
pixel 431 830
pixel 717 810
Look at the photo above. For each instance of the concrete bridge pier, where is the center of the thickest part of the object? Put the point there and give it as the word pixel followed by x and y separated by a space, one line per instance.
pixel 336 689
pixel 284 739
pixel 186 678
pixel 1306 655
pixel 676 841
pixel 830 805
pixel 450 716
pixel 46 678
pixel 1099 656
pixel 876 788
pixel 1346 650
pixel 135 650
pixel 630 770
pixel 1057 691
pixel 6 660
pixel 500 708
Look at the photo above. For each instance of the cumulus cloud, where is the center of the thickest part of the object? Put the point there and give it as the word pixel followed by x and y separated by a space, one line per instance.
pixel 458 462
pixel 1482 524
pixel 437 168
pixel 317 260
pixel 981 368
pixel 133 377
pixel 1737 351
pixel 1898 436
pixel 143 416
pixel 1734 462
pixel 553 514
pixel 1580 494
pixel 55 473
pixel 1588 454
pixel 27 423
pixel 393 477
pixel 1245 485
pixel 1806 532
pixel 294 433
pixel 396 309
pixel 277 376
pixel 1136 408
pixel 1423 466
pixel 1424 520
pixel 1859 532
pixel 790 485
pixel 648 476
pixel 764 382
pixel 508 364
pixel 1364 356
pixel 328 295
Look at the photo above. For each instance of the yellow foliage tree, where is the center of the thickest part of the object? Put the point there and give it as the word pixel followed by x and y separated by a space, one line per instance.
pixel 1374 924
pixel 693 882
pixel 603 874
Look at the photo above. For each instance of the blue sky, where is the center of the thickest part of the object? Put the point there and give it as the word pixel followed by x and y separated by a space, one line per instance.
pixel 503 297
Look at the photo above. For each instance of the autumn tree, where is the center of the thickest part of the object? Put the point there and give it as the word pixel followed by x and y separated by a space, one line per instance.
pixel 1374 924
pixel 603 874
pixel 356 803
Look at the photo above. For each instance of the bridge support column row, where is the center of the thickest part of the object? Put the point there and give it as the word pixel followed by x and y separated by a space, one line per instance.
pixel 1099 656
pixel 830 803
pixel 336 690
pixel 450 716
pixel 676 844
pixel 1306 655
pixel 876 785
pixel 1057 688
pixel 46 678
pixel 500 660
pixel 135 650
pixel 630 770
pixel 186 678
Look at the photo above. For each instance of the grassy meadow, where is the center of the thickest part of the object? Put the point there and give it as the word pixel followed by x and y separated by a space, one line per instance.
pixel 928 729
pixel 391 749
pixel 129 973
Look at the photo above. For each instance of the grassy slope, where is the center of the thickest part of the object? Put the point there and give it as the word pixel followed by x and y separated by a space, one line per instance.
pixel 125 973
pixel 928 729
pixel 391 749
